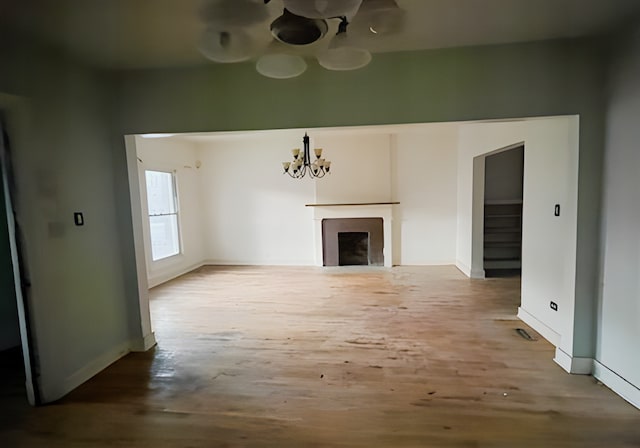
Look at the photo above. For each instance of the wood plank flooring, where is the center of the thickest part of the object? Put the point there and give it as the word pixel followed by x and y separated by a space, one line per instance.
pixel 339 357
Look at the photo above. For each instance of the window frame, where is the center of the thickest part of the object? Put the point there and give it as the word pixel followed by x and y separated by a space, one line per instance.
pixel 176 213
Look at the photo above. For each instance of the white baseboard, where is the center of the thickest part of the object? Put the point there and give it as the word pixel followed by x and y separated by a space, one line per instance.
pixel 261 263
pixel 543 329
pixel 144 344
pixel 466 270
pixel 616 383
pixel 574 365
pixel 170 275
pixel 84 373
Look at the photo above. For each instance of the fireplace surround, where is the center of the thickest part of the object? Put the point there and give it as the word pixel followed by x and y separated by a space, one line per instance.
pixel 342 240
pixel 378 210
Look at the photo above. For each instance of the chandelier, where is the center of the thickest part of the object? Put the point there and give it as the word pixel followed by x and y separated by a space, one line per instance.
pixel 302 163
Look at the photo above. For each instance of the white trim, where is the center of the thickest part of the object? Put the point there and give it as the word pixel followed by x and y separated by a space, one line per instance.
pixel 471 273
pixel 573 365
pixel 384 211
pixel 581 366
pixel 165 277
pixel 544 330
pixel 138 237
pixel 466 270
pixel 616 383
pixel 301 263
pixel 89 370
pixel 144 344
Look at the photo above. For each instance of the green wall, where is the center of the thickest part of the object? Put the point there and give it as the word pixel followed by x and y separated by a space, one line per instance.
pixel 62 155
pixel 559 77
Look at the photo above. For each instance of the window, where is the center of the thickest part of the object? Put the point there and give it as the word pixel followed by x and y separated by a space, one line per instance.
pixel 163 214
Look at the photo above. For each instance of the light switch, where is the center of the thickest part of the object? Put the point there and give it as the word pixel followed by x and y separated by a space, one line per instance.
pixel 78 218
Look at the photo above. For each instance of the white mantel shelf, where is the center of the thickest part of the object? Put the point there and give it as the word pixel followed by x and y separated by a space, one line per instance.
pixel 355 204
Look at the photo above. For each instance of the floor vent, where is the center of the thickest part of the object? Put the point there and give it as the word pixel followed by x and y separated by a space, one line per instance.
pixel 522 332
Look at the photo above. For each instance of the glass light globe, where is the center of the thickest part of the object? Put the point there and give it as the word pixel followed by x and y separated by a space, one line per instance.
pixel 281 66
pixel 227 46
pixel 343 55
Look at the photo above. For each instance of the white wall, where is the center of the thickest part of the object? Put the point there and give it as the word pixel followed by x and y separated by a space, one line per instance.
pixel 618 343
pixel 549 242
pixel 360 170
pixel 425 184
pixel 255 214
pixel 177 156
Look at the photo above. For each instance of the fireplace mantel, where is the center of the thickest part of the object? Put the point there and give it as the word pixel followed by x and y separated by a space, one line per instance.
pixel 382 210
pixel 355 204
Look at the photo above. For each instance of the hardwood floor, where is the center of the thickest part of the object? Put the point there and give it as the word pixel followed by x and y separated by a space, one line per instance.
pixel 339 357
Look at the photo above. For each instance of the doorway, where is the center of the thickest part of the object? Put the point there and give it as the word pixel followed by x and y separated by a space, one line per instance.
pixel 16 351
pixel 11 364
pixel 503 193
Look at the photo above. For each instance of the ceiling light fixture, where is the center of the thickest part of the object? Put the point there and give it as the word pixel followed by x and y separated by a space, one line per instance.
pixel 302 163
pixel 227 46
pixel 293 29
pixel 343 53
pixel 238 30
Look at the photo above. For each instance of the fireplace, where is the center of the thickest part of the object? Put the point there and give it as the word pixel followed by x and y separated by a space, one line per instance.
pixel 380 241
pixel 353 241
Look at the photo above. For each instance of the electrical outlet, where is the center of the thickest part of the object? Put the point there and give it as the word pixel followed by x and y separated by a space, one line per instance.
pixel 554 306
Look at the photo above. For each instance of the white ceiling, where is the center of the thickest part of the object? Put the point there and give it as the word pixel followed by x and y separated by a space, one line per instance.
pixel 164 33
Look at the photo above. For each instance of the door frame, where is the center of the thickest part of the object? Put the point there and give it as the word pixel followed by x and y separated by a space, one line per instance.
pixel 477 212
pixel 11 116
